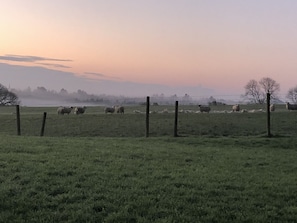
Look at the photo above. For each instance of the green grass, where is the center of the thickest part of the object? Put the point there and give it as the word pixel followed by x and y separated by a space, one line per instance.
pixel 96 123
pixel 100 168
pixel 158 179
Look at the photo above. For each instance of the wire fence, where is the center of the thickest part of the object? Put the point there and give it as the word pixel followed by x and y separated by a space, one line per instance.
pixel 152 121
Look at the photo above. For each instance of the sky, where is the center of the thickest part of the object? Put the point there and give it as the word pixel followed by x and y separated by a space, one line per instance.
pixel 218 45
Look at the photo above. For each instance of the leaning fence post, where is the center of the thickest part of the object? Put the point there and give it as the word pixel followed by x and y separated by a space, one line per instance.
pixel 268 114
pixel 176 119
pixel 147 116
pixel 18 120
pixel 43 124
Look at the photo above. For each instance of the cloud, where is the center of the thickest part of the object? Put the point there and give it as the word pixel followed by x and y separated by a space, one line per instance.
pixel 54 65
pixel 32 59
pixel 99 75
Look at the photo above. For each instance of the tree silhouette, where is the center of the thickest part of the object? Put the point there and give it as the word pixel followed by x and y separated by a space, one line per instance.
pixel 270 86
pixel 292 95
pixel 256 91
pixel 7 97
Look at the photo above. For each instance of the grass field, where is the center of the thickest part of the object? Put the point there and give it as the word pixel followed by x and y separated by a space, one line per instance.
pixel 96 123
pixel 161 179
pixel 101 168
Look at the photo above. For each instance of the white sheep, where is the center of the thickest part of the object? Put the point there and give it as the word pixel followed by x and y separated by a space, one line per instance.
pixel 109 109
pixel 119 109
pixel 64 110
pixel 235 108
pixel 272 107
pixel 79 110
pixel 291 106
pixel 204 108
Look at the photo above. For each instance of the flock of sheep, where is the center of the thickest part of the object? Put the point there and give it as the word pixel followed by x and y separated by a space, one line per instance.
pixel 67 110
pixel 236 108
pixel 202 108
pixel 81 110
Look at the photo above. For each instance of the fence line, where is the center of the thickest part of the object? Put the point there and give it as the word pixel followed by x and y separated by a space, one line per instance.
pixel 180 121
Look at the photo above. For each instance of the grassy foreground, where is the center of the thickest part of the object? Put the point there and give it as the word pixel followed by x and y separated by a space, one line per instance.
pixel 161 179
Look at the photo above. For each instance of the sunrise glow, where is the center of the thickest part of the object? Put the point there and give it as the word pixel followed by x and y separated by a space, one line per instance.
pixel 216 44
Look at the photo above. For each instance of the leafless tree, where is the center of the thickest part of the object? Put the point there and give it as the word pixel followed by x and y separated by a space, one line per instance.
pixel 256 91
pixel 7 97
pixel 253 92
pixel 292 95
pixel 270 86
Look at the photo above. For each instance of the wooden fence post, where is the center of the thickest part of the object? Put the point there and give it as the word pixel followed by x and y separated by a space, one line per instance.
pixel 147 116
pixel 43 124
pixel 268 114
pixel 176 119
pixel 18 120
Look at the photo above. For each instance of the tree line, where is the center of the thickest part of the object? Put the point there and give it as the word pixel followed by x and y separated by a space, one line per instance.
pixel 254 92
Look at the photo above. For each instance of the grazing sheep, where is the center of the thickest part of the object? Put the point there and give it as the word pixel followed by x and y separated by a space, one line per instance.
pixel 79 110
pixel 165 111
pixel 272 107
pixel 291 106
pixel 235 108
pixel 204 108
pixel 109 109
pixel 64 110
pixel 119 109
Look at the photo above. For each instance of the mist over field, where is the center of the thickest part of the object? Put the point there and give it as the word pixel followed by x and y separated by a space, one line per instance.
pixel 23 77
pixel 30 84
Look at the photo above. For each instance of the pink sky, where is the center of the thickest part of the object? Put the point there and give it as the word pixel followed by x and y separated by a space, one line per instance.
pixel 219 44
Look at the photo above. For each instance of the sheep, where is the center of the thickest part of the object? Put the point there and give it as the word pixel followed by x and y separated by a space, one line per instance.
pixel 109 109
pixel 119 109
pixel 79 110
pixel 64 110
pixel 272 107
pixel 204 108
pixel 235 108
pixel 291 106
pixel 165 111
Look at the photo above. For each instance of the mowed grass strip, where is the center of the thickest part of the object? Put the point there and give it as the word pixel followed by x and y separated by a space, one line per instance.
pixel 160 179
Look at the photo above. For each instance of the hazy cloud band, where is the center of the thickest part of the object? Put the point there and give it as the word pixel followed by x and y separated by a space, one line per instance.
pixel 20 58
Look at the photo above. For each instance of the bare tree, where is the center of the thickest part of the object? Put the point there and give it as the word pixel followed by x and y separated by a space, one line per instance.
pixel 270 86
pixel 253 92
pixel 256 92
pixel 292 95
pixel 7 97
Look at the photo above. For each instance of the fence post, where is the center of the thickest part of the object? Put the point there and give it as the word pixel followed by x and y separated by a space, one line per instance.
pixel 43 124
pixel 18 120
pixel 176 119
pixel 147 116
pixel 268 114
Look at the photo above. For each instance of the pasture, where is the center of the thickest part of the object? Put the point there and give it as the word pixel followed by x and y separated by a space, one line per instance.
pixel 95 123
pixel 160 179
pixel 99 167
